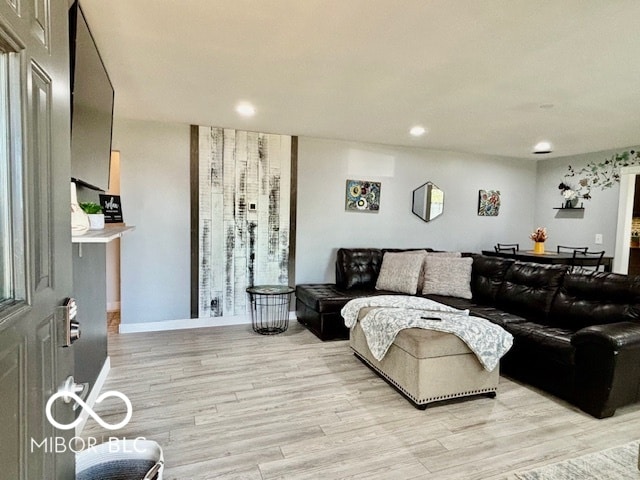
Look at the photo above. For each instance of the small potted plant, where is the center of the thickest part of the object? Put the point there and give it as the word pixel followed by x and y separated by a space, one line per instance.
pixel 94 212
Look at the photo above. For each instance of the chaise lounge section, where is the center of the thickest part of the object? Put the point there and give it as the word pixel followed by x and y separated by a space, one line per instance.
pixel 576 334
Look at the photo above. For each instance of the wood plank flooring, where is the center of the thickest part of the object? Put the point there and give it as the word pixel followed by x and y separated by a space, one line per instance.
pixel 226 403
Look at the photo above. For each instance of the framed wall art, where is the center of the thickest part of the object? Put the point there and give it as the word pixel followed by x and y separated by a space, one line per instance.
pixel 488 203
pixel 363 196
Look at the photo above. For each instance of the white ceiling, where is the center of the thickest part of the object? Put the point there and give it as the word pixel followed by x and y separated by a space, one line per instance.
pixel 490 76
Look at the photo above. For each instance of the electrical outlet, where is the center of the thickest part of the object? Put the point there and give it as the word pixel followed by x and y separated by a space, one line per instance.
pixel 598 239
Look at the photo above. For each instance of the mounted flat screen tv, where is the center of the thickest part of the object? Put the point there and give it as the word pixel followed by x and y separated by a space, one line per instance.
pixel 91 106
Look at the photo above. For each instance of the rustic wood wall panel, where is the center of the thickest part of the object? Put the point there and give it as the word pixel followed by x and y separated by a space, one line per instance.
pixel 244 182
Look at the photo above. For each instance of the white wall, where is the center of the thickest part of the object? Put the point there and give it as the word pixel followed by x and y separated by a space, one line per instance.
pixel 576 228
pixel 154 186
pixel 155 196
pixel 323 225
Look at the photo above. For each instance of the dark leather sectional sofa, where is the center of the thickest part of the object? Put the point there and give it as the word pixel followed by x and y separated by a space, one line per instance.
pixel 576 334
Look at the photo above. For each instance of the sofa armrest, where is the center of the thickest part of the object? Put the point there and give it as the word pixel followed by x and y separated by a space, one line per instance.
pixel 606 367
pixel 614 335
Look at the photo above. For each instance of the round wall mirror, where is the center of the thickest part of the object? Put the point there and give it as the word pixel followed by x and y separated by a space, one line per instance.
pixel 428 201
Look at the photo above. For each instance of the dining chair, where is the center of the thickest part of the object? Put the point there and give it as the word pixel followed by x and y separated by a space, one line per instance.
pixel 507 247
pixel 504 251
pixel 561 248
pixel 587 259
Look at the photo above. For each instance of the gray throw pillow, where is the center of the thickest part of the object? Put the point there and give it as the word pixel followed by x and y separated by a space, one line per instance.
pixel 400 272
pixel 448 276
pixel 435 254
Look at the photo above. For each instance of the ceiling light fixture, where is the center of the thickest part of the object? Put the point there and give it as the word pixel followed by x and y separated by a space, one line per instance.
pixel 543 147
pixel 246 109
pixel 418 131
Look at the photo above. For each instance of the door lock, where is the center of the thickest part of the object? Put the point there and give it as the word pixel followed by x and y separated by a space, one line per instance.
pixel 72 326
pixel 74 331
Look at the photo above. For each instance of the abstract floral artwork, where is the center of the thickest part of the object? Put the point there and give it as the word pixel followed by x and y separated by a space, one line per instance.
pixel 488 203
pixel 363 196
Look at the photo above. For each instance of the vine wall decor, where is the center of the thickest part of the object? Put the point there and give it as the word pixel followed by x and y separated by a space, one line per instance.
pixel 597 174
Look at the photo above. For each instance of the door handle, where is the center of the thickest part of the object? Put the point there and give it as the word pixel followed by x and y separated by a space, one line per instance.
pixel 71 387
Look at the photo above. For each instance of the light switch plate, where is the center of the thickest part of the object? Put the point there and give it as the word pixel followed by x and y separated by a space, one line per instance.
pixel 598 239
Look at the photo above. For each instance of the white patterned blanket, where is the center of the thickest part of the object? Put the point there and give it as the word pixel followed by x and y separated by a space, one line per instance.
pixel 488 341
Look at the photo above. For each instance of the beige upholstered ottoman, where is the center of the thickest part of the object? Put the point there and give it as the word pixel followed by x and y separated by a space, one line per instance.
pixel 428 366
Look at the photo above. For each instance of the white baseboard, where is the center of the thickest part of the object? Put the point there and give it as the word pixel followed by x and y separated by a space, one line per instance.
pixel 113 306
pixel 189 323
pixel 93 394
pixel 182 324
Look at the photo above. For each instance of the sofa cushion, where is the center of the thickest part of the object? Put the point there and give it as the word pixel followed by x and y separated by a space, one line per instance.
pixel 445 254
pixel 528 289
pixel 455 302
pixel 357 267
pixel 554 343
pixel 403 250
pixel 497 316
pixel 326 297
pixel 449 276
pixel 595 298
pixel 487 274
pixel 400 272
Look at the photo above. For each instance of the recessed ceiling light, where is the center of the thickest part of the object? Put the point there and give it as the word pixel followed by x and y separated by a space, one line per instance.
pixel 418 131
pixel 246 109
pixel 542 148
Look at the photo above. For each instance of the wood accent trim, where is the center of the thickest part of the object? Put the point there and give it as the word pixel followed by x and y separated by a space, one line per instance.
pixel 293 206
pixel 195 217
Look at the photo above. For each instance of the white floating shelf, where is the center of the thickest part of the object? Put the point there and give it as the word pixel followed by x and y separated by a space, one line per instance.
pixel 105 235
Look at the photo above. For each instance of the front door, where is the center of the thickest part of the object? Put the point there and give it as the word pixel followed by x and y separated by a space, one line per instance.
pixel 35 243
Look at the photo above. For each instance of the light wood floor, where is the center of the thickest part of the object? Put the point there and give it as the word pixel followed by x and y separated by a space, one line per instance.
pixel 227 403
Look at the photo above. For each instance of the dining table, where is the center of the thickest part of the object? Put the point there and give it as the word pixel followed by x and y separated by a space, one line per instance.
pixel 547 257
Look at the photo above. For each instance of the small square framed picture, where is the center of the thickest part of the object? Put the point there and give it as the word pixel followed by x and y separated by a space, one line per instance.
pixel 363 196
pixel 488 203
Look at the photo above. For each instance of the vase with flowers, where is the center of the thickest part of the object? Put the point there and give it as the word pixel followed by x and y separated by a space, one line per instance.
pixel 539 236
pixel 571 195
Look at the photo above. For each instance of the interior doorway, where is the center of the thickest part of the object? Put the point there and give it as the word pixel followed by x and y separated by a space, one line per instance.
pixel 623 253
pixel 113 255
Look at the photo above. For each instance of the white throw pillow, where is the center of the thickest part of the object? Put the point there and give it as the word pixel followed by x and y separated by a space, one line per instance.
pixel 448 276
pixel 400 271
